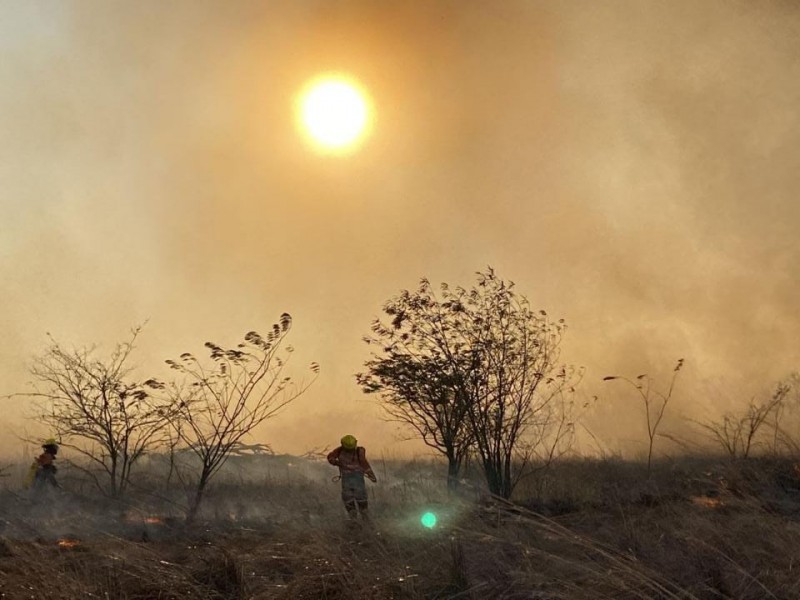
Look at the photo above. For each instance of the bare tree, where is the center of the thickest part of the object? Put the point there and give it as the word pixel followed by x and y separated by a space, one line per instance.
pixel 94 408
pixel 217 404
pixel 470 368
pixel 552 430
pixel 655 404
pixel 738 434
pixel 784 421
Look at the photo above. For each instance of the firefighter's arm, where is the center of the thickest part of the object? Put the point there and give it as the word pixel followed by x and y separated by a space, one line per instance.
pixel 333 457
pixel 362 458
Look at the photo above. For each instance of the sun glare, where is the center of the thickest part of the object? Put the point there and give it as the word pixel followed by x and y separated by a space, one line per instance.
pixel 334 113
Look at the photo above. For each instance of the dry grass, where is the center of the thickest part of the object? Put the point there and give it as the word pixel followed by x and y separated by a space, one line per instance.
pixel 588 529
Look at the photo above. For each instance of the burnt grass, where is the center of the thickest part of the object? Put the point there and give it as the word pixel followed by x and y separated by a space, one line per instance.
pixel 696 528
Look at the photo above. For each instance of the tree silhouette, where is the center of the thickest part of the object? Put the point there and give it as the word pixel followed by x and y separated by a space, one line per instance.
pixel 474 369
pixel 422 391
pixel 655 404
pixel 92 406
pixel 217 404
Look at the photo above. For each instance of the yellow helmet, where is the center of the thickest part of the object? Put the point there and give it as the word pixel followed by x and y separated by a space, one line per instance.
pixel 349 442
pixel 50 442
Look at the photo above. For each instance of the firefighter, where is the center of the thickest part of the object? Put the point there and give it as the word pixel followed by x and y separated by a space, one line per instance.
pixel 353 466
pixel 43 469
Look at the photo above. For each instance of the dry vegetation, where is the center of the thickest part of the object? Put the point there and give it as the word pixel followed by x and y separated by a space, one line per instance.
pixel 274 528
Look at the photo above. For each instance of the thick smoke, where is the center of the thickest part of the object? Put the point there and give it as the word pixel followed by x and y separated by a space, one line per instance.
pixel 632 166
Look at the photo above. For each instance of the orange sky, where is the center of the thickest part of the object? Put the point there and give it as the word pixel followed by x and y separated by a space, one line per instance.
pixel 632 165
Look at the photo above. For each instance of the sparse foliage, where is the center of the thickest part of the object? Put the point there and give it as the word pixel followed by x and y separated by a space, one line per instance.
pixel 784 419
pixel 516 380
pixel 738 435
pixel 473 369
pixel 420 388
pixel 655 404
pixel 552 433
pixel 217 404
pixel 95 408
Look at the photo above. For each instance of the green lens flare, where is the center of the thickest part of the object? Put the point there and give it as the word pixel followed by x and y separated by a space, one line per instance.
pixel 428 520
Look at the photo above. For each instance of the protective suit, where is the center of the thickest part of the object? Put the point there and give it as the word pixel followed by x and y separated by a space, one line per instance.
pixel 42 474
pixel 353 467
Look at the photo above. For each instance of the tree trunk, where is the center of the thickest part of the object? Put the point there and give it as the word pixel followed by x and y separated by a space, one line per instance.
pixel 124 476
pixel 113 476
pixel 194 507
pixel 507 479
pixel 453 470
pixel 494 479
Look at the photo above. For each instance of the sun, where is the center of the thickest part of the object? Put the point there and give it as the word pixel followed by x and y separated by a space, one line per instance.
pixel 334 112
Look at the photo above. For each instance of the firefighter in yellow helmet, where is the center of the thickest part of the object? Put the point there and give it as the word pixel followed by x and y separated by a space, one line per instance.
pixel 43 469
pixel 353 466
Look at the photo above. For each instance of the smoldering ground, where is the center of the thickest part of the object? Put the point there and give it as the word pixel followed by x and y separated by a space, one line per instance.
pixel 699 528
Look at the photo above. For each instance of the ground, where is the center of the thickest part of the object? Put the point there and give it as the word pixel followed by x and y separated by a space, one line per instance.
pixel 696 528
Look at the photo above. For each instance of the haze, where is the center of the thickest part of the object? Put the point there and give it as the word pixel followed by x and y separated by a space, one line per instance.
pixel 632 166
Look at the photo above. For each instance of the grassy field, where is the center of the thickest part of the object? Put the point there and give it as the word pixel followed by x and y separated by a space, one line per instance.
pixel 697 528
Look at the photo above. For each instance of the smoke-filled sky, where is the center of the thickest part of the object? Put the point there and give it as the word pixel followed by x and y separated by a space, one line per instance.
pixel 632 165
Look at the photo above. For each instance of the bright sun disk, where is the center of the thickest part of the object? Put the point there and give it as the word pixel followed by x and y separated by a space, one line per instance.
pixel 334 113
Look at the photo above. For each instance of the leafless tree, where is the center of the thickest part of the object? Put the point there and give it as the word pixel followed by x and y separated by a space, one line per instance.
pixel 784 420
pixel 93 407
pixel 552 431
pixel 219 403
pixel 738 434
pixel 655 404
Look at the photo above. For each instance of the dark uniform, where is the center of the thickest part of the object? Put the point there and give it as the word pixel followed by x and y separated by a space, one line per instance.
pixel 45 477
